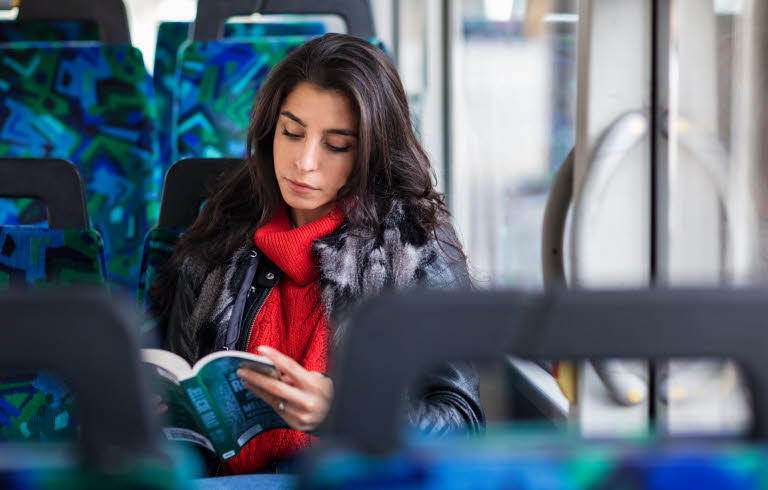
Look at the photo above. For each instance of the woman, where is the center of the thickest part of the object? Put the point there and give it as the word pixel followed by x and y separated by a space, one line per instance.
pixel 334 204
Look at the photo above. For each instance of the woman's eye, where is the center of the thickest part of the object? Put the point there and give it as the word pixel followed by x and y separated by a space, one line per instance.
pixel 339 149
pixel 291 135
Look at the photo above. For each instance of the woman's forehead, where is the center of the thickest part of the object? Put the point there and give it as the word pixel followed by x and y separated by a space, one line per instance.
pixel 319 108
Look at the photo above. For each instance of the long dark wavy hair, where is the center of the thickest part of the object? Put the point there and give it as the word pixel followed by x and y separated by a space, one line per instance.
pixel 391 163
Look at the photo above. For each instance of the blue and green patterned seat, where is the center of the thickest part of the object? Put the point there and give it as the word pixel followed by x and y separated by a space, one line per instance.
pixel 217 86
pixel 157 249
pixel 171 36
pixel 90 104
pixel 218 82
pixel 186 187
pixel 39 258
pixel 37 406
pixel 50 31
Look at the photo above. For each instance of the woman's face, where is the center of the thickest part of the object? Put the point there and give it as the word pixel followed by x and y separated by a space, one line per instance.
pixel 315 149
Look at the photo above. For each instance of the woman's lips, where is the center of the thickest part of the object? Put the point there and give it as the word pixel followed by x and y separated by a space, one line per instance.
pixel 298 187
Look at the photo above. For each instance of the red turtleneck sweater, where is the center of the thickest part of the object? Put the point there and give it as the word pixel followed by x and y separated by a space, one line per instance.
pixel 291 320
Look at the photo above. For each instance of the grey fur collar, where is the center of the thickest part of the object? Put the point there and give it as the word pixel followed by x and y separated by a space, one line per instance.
pixel 355 266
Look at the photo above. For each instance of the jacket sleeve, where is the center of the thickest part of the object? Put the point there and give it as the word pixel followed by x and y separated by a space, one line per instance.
pixel 448 398
pixel 179 339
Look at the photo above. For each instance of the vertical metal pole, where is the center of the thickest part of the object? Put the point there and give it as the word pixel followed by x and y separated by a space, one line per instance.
pixel 562 118
pixel 659 141
pixel 447 82
pixel 610 244
pixel 396 31
pixel 749 186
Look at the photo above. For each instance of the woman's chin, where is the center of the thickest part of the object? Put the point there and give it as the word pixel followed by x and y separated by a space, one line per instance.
pixel 303 204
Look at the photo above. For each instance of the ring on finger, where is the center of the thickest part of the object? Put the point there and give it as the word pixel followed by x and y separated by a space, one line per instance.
pixel 281 406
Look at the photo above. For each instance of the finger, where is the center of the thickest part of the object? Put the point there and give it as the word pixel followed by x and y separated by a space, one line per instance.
pixel 290 413
pixel 324 383
pixel 269 398
pixel 272 386
pixel 284 363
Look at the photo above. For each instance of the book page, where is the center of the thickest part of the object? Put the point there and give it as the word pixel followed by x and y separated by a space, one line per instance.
pixel 254 362
pixel 169 361
pixel 244 414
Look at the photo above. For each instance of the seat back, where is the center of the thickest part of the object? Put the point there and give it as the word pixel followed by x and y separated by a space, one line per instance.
pixel 48 31
pixel 110 16
pixel 217 86
pixel 171 36
pixel 652 324
pixel 90 104
pixel 87 341
pixel 187 184
pixel 212 15
pixel 36 406
pixel 364 449
pixel 218 79
pixel 66 253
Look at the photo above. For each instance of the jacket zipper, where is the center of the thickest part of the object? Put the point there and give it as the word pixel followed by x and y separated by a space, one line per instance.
pixel 253 317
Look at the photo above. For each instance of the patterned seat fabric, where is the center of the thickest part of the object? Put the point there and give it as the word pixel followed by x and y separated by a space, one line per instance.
pixel 171 36
pixel 65 30
pixel 217 86
pixel 89 104
pixel 38 258
pixel 216 90
pixel 158 248
pixel 36 406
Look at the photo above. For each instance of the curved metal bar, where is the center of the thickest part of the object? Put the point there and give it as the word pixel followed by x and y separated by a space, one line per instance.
pixel 712 158
pixel 617 140
pixel 57 183
pixel 553 229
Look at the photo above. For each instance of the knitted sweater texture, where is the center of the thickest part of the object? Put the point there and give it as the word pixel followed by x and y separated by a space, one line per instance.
pixel 291 320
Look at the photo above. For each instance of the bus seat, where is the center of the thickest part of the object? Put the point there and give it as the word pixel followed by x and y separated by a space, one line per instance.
pixel 90 104
pixel 118 440
pixel 187 184
pixel 36 406
pixel 217 86
pixel 428 328
pixel 170 37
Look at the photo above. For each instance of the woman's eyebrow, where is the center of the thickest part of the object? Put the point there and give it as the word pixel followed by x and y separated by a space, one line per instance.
pixel 343 132
pixel 291 116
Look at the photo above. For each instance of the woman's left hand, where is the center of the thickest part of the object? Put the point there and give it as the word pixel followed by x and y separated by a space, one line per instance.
pixel 305 395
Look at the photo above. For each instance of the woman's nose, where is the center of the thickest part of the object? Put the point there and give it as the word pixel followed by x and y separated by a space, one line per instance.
pixel 308 159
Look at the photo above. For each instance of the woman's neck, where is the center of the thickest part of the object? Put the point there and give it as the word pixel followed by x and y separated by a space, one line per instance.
pixel 301 217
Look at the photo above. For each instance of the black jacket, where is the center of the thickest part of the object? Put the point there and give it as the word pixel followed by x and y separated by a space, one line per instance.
pixel 214 307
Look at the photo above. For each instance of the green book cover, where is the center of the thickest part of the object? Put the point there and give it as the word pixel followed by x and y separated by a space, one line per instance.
pixel 207 403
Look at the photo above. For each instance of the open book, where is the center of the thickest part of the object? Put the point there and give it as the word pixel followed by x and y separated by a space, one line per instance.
pixel 207 403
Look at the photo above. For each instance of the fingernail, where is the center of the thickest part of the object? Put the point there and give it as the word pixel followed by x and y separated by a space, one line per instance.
pixel 264 348
pixel 240 372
